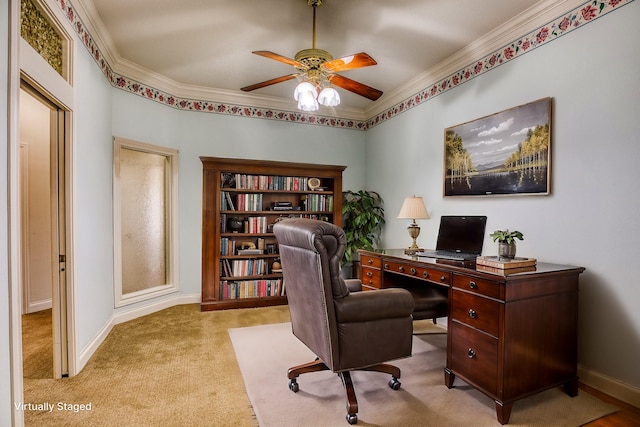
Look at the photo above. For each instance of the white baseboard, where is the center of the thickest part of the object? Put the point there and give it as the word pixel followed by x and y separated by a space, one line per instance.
pixel 125 316
pixel 33 307
pixel 91 348
pixel 154 306
pixel 611 386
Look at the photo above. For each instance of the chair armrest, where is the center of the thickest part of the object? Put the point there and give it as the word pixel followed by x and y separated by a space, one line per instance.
pixel 354 285
pixel 374 305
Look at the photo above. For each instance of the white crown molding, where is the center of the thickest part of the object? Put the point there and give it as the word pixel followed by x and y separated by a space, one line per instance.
pixel 87 12
pixel 94 25
pixel 134 71
pixel 527 21
pixel 486 53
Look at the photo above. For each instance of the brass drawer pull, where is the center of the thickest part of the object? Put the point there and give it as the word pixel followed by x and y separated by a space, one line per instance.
pixel 401 268
pixel 386 266
pixel 425 274
pixel 370 261
pixel 473 285
pixel 413 270
pixel 472 313
pixel 369 274
pixel 471 354
pixel 443 279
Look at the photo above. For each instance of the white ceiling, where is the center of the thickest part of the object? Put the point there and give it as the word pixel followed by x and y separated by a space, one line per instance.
pixel 208 43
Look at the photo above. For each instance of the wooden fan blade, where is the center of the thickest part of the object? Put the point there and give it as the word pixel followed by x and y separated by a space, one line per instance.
pixel 277 57
pixel 269 82
pixel 357 60
pixel 355 87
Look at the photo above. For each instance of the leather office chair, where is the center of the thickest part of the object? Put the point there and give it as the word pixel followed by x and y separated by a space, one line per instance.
pixel 348 330
pixel 430 302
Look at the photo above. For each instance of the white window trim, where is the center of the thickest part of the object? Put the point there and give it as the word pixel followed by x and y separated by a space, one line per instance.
pixel 172 245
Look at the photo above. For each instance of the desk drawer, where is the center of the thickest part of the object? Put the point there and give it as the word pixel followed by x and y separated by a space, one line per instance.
pixel 370 261
pixel 423 273
pixel 479 312
pixel 479 286
pixel 474 356
pixel 371 277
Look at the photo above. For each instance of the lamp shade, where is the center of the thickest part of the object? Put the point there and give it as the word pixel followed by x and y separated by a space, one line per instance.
pixel 303 88
pixel 306 95
pixel 413 208
pixel 329 97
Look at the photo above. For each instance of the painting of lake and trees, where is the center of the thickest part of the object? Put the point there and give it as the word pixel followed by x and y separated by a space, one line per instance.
pixel 505 153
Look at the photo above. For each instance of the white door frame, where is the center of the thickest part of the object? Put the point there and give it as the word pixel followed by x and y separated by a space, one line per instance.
pixel 62 295
pixel 26 64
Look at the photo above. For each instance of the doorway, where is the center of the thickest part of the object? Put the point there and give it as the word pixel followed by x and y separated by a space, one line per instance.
pixel 43 238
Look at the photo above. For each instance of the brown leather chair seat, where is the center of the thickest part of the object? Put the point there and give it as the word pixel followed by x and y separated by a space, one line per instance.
pixel 430 302
pixel 347 329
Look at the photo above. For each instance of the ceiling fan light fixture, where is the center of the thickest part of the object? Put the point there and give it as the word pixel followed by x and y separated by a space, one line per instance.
pixel 317 68
pixel 306 95
pixel 329 97
pixel 302 88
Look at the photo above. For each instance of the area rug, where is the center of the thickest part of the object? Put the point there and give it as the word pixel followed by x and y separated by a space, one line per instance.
pixel 265 353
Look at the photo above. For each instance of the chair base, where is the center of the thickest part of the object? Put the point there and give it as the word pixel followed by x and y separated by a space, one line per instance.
pixel 352 403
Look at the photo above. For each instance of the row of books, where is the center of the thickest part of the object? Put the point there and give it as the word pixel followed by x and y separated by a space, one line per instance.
pixel 250 225
pixel 319 202
pixel 250 202
pixel 250 288
pixel 243 267
pixel 265 182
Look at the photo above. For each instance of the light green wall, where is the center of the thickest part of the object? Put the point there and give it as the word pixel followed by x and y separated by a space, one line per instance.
pixel 591 217
pixel 197 134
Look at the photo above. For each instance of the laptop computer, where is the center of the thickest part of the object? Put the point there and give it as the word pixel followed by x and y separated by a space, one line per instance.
pixel 460 238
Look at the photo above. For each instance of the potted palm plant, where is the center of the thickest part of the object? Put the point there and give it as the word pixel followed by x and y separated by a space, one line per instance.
pixel 362 221
pixel 506 242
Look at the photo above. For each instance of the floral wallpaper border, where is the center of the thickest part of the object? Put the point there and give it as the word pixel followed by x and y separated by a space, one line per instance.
pixel 585 13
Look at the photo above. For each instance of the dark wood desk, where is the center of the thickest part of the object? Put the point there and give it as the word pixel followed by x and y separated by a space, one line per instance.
pixel 509 336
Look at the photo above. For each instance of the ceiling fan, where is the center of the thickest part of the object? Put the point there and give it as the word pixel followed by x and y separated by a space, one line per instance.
pixel 318 70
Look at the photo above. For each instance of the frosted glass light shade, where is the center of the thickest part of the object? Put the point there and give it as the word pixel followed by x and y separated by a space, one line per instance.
pixel 329 97
pixel 302 88
pixel 306 94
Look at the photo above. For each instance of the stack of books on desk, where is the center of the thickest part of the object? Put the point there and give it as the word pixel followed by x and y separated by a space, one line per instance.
pixel 504 266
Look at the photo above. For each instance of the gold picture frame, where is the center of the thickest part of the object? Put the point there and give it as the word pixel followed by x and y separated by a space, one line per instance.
pixel 505 153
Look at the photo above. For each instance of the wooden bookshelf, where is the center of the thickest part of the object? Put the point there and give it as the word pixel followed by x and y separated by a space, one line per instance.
pixel 241 201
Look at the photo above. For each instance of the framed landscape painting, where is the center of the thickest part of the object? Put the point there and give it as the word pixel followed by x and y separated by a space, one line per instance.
pixel 501 154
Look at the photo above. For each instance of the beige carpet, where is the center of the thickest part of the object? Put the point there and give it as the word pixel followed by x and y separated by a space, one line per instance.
pixel 173 368
pixel 266 352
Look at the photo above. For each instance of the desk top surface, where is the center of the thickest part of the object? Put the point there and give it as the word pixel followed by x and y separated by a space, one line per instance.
pixel 541 267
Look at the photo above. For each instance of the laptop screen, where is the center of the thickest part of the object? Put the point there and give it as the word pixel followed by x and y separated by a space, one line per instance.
pixel 461 234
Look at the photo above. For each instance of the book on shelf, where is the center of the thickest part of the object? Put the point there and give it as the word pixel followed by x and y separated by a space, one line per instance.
pixel 249 202
pixel 248 267
pixel 223 223
pixel 249 288
pixel 268 182
pixel 505 264
pixel 228 202
pixel 250 251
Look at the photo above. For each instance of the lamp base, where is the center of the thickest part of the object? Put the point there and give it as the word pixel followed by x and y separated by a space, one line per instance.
pixel 413 251
pixel 414 232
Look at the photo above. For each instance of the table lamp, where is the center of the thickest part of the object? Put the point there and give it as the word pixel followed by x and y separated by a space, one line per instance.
pixel 413 208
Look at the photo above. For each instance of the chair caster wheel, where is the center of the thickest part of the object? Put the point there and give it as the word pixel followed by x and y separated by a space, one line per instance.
pixel 394 383
pixel 293 385
pixel 352 419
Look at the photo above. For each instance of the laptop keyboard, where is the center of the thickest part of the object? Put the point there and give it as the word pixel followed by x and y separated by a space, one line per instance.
pixel 445 255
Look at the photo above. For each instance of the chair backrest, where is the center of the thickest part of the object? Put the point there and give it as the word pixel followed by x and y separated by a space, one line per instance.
pixel 311 253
